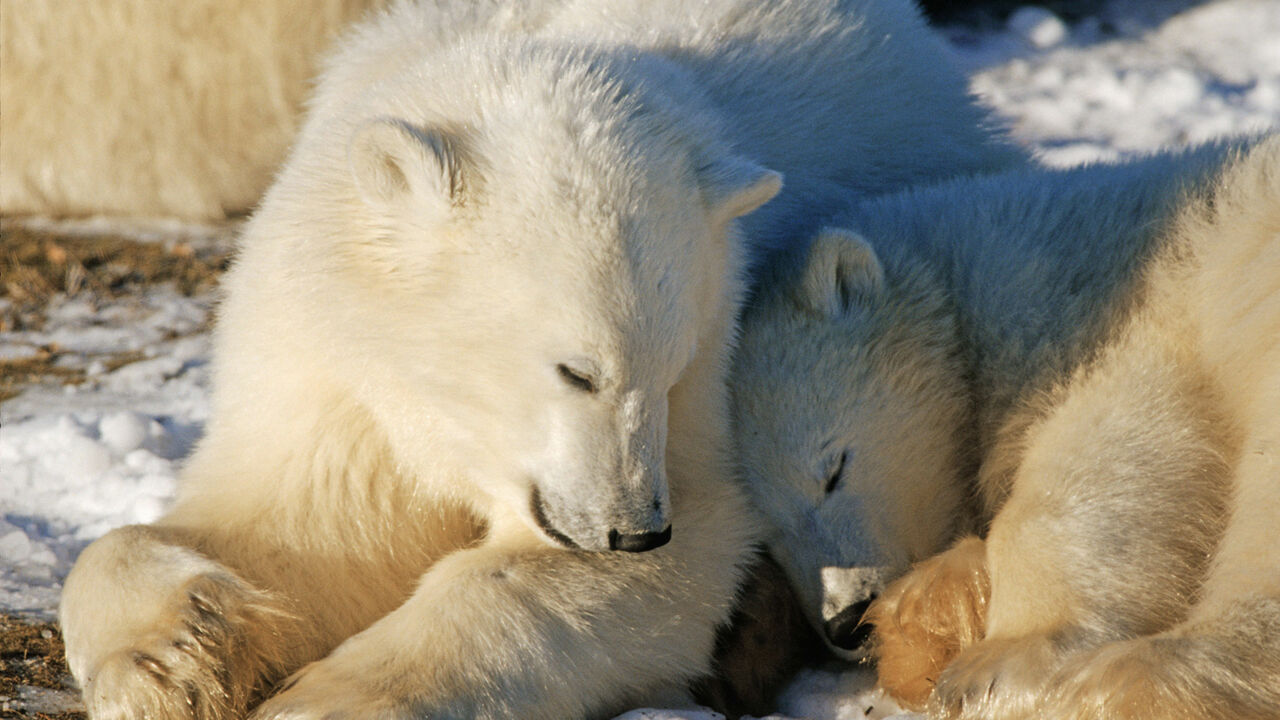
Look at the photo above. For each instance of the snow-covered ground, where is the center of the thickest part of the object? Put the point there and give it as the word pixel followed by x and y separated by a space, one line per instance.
pixel 76 461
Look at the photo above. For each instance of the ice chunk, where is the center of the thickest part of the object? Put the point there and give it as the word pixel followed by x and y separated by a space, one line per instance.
pixel 42 554
pixel 83 457
pixel 844 694
pixel 1038 27
pixel 652 714
pixel 148 509
pixel 124 431
pixel 15 546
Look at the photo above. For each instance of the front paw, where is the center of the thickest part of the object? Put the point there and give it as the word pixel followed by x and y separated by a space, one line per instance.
pixel 927 617
pixel 323 690
pixel 996 680
pixel 205 660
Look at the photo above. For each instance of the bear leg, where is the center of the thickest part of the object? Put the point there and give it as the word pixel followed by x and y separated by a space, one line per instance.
pixel 1223 661
pixel 1227 668
pixel 515 628
pixel 154 629
pixel 1113 512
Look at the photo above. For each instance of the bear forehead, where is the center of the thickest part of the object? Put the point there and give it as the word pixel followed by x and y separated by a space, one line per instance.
pixel 539 101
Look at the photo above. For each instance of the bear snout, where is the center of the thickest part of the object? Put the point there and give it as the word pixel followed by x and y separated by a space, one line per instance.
pixel 639 542
pixel 576 536
pixel 847 630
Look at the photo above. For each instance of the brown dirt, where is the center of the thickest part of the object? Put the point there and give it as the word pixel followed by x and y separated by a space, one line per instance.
pixel 32 655
pixel 37 265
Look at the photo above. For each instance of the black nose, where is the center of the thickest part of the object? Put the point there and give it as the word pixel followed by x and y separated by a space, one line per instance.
pixel 639 542
pixel 846 630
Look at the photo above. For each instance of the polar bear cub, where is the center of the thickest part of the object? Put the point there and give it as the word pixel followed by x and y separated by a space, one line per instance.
pixel 1093 356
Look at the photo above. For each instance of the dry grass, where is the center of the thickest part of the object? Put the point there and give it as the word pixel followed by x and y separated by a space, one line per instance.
pixel 37 264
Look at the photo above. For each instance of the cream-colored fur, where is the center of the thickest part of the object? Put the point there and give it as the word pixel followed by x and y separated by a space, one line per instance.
pixel 397 458
pixel 475 341
pixel 1120 328
pixel 148 108
pixel 925 618
pixel 1133 571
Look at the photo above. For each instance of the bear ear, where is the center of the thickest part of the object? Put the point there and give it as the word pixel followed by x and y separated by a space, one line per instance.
pixel 842 270
pixel 394 163
pixel 735 186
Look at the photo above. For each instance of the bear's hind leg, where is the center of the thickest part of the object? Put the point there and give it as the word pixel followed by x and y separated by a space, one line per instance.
pixel 1223 662
pixel 155 629
pixel 1114 509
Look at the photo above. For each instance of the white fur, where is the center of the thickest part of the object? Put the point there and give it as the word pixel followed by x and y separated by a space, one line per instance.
pixel 838 361
pixel 1100 344
pixel 484 313
pixel 137 107
pixel 813 89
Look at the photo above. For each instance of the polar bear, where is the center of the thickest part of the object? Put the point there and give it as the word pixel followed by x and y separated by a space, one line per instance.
pixel 203 97
pixel 470 364
pixel 132 107
pixel 473 342
pixel 1086 362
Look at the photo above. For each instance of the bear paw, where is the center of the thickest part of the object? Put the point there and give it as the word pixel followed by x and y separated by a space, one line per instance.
pixel 996 680
pixel 203 660
pixel 927 617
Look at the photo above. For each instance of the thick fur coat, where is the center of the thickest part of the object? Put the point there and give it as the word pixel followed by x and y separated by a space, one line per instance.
pixel 472 351
pixel 187 109
pixel 135 107
pixel 1094 354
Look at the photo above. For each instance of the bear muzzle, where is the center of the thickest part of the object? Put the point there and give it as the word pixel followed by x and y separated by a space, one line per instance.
pixel 622 537
pixel 847 630
pixel 639 542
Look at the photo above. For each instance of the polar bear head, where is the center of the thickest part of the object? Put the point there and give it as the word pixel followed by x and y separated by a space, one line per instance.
pixel 519 268
pixel 850 414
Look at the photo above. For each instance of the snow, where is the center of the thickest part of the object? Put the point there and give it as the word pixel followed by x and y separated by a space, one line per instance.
pixel 1209 71
pixel 76 461
pixel 1037 27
